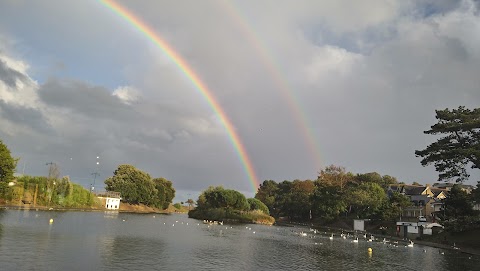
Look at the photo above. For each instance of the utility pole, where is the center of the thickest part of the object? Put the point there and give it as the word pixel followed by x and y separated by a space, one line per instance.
pixel 49 169
pixel 95 174
pixel 50 172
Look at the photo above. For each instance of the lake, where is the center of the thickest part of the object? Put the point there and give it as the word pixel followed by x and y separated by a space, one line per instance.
pixel 123 241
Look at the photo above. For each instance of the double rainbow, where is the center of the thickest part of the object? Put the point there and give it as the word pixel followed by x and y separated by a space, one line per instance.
pixel 201 87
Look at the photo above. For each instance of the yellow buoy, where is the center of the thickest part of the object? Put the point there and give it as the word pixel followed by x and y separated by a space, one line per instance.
pixel 370 249
pixel 51 220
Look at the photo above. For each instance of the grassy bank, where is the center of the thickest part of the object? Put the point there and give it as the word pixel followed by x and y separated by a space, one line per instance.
pixel 38 191
pixel 221 214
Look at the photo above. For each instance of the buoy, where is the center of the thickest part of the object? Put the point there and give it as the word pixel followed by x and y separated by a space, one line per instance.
pixel 51 221
pixel 370 250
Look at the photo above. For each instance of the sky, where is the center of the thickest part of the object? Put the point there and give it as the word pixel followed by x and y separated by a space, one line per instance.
pixel 305 84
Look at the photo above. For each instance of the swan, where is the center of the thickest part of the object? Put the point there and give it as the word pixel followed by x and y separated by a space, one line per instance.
pixel 331 237
pixel 410 245
pixel 355 240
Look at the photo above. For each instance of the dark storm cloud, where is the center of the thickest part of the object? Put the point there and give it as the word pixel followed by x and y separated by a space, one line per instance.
pixel 27 117
pixel 93 101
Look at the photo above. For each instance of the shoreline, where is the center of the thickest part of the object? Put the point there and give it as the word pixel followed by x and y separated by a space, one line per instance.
pixel 80 209
pixel 466 250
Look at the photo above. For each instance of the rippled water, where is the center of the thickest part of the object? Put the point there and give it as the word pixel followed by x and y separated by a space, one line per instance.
pixel 113 241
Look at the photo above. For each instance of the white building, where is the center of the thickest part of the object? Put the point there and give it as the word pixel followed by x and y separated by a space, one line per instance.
pixel 112 199
pixel 112 203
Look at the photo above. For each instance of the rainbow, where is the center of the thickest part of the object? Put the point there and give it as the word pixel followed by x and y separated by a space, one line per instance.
pixel 201 87
pixel 280 82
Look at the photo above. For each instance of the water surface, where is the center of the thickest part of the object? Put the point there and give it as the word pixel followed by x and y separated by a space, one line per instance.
pixel 121 241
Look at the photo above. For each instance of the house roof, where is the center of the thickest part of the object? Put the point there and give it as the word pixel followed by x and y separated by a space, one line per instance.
pixel 438 191
pixel 413 189
pixel 396 187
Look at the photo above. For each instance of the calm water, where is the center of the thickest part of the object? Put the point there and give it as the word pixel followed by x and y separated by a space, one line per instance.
pixel 103 241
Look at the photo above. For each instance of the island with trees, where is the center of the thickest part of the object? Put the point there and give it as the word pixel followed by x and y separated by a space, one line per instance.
pixel 219 204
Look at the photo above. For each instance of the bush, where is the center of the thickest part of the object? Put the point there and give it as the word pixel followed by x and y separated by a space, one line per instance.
pixel 256 204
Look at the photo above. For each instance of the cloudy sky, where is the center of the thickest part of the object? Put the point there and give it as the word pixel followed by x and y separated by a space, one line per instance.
pixel 361 78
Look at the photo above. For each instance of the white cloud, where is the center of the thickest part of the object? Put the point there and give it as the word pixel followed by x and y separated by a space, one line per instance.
pixel 17 87
pixel 330 62
pixel 127 94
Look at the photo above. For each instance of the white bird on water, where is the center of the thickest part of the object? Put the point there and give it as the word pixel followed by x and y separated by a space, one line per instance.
pixel 331 237
pixel 355 240
pixel 410 245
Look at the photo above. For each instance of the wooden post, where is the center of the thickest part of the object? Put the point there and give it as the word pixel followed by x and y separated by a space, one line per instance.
pixel 35 196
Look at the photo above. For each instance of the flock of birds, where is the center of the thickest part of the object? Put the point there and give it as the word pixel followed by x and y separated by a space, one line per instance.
pixel 354 238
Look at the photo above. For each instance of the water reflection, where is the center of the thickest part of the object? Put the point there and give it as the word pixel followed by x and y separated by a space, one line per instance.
pixel 124 252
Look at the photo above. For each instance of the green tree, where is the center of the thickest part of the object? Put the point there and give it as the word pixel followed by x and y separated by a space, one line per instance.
pixel 267 193
pixel 177 205
pixel 298 200
pixel 335 175
pixel 394 206
pixel 7 167
pixel 218 197
pixel 282 199
pixel 458 214
pixel 256 204
pixel 165 192
pixel 328 201
pixel 134 185
pixel 366 199
pixel 458 148
pixel 388 180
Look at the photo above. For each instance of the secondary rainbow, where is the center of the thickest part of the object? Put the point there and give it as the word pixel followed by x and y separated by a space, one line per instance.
pixel 183 66
pixel 300 117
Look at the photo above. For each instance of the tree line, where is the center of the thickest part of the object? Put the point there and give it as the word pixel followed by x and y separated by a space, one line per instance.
pixel 335 193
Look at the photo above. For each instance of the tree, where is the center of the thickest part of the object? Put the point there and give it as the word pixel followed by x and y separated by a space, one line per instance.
pixel 459 148
pixel 366 199
pixel 134 185
pixel 416 183
pixel 458 214
pixel 7 167
pixel 335 175
pixel 327 201
pixel 267 194
pixel 394 206
pixel 298 200
pixel 218 197
pixel 256 204
pixel 165 192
